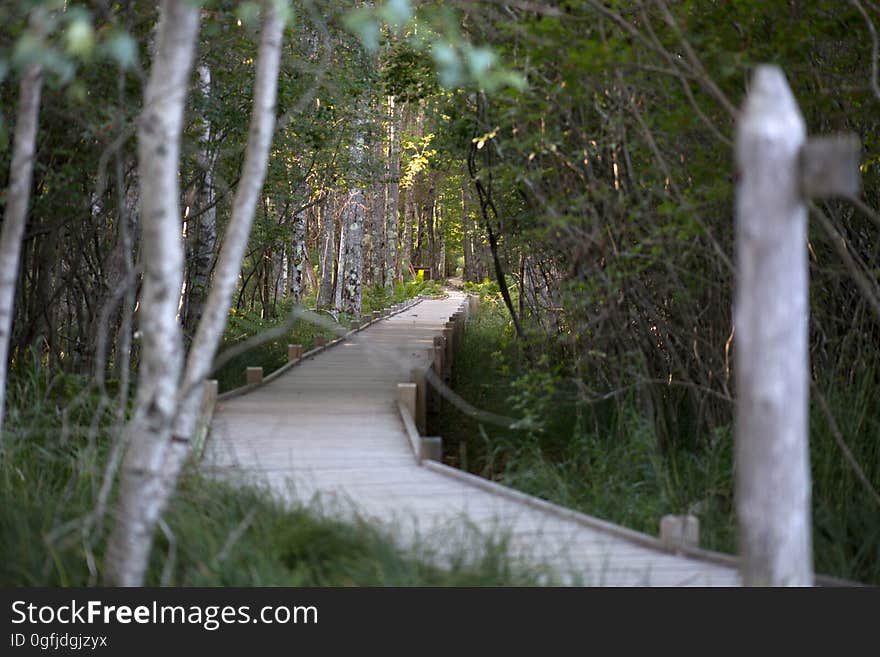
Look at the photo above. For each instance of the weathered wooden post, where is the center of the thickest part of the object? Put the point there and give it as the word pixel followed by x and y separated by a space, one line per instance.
pixel 209 393
pixel 437 366
pixel 460 318
pixel 449 353
pixel 677 532
pixel 431 448
pixel 417 376
pixel 294 352
pixel 253 375
pixel 406 395
pixel 777 172
pixel 320 341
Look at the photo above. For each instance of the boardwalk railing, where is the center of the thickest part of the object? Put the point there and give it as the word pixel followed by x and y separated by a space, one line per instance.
pixel 417 397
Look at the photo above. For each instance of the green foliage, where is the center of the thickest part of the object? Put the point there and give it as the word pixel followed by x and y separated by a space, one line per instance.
pixel 606 460
pixel 433 31
pixel 488 290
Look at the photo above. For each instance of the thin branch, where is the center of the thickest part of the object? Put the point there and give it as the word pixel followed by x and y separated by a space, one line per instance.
pixel 867 287
pixel 875 46
pixel 838 438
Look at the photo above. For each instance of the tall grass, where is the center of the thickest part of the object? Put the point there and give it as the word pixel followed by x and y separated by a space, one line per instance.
pixel 608 462
pixel 58 435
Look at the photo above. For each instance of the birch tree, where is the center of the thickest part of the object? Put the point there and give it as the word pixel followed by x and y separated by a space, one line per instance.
pixel 167 404
pixel 349 289
pixel 17 200
pixel 149 431
pixel 392 266
pixel 342 252
pixel 298 259
pixel 202 230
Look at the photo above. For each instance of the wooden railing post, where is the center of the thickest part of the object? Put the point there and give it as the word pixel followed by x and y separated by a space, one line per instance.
pixel 406 395
pixel 449 351
pixel 776 173
pixel 418 377
pixel 253 375
pixel 431 449
pixel 677 532
pixel 210 392
pixel 294 352
pixel 437 366
pixel 459 319
pixel 473 303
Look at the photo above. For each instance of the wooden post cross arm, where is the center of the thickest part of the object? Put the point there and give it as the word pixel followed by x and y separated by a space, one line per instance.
pixel 829 167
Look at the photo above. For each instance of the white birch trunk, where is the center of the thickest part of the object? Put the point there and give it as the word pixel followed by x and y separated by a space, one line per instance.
pixel 467 244
pixel 235 239
pixel 441 257
pixel 146 491
pixel 392 199
pixel 148 433
pixel 349 286
pixel 342 257
pixel 15 215
pixel 771 323
pixel 350 291
pixel 285 271
pixel 298 257
pixel 202 231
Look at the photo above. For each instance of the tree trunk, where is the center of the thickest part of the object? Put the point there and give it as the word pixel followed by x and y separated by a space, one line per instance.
pixel 430 220
pixel 284 273
pixel 328 252
pixel 298 259
pixel 420 229
pixel 409 214
pixel 342 250
pixel 235 239
pixel 149 432
pixel 376 221
pixel 202 230
pixel 351 259
pixel 17 201
pixel 392 266
pixel 467 239
pixel 151 474
pixel 441 250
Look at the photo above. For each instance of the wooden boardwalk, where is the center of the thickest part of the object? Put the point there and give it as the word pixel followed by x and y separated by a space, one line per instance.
pixel 328 431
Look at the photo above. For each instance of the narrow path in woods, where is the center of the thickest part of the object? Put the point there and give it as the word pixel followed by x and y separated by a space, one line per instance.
pixel 328 432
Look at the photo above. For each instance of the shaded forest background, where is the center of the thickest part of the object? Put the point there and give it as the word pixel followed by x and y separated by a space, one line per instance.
pixel 575 166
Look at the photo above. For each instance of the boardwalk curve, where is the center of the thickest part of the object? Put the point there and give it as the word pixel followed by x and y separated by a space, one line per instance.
pixel 329 429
